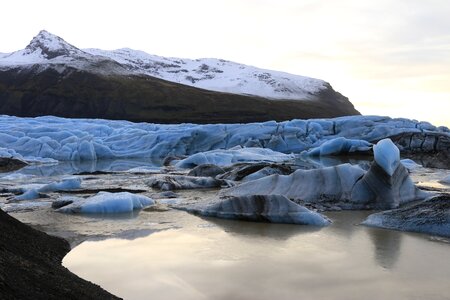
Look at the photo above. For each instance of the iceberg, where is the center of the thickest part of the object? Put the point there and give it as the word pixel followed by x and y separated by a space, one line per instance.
pixel 38 192
pixel 108 203
pixel 261 208
pixel 232 156
pixel 385 185
pixel 430 216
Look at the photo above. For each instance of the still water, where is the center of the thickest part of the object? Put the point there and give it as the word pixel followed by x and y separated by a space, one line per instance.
pixel 199 258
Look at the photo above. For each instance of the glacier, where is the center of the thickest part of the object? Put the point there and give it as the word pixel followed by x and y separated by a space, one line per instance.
pixel 64 139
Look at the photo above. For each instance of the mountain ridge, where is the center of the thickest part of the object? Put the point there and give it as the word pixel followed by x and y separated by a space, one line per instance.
pixel 50 70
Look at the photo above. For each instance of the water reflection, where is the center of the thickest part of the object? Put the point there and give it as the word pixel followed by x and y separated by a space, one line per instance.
pixel 261 230
pixel 387 246
pixel 76 167
pixel 221 259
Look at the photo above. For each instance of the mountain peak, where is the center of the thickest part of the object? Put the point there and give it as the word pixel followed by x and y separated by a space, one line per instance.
pixel 51 46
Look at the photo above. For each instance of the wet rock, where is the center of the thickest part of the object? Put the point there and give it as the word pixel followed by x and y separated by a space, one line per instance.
pixel 238 172
pixel 262 208
pixel 64 201
pixel 166 195
pixel 206 170
pixel 181 182
pixel 8 164
pixel 431 216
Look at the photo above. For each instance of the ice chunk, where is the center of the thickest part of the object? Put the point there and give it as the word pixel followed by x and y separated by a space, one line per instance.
pixel 387 155
pixel 65 184
pixel 445 180
pixel 108 203
pixel 232 156
pixel 35 192
pixel 340 145
pixel 410 164
pixel 261 208
pixel 326 184
pixel 430 216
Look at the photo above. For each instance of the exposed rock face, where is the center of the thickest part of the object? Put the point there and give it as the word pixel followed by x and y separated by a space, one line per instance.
pixel 265 208
pixel 431 216
pixel 30 266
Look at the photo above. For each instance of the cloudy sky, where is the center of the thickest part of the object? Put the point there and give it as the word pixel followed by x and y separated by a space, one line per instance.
pixel 390 57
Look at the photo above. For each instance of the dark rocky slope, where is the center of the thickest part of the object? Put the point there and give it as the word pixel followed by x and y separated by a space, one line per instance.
pixel 30 266
pixel 75 93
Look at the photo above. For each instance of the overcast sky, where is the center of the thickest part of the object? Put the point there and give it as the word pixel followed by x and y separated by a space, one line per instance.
pixel 390 57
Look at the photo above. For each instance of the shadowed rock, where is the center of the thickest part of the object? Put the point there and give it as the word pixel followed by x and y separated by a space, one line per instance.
pixel 31 267
pixel 262 208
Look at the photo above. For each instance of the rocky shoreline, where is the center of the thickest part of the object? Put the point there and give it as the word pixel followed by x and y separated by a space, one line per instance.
pixel 31 267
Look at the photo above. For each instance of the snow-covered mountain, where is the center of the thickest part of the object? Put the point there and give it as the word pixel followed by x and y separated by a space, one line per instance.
pixel 51 76
pixel 206 73
pixel 218 75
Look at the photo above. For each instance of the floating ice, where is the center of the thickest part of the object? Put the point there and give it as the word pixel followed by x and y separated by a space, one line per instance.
pixel 232 156
pixel 333 183
pixel 430 216
pixel 108 203
pixel 261 208
pixel 36 192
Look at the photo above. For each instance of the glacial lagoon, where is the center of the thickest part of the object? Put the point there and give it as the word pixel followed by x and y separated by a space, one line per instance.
pixel 203 258
pixel 165 253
